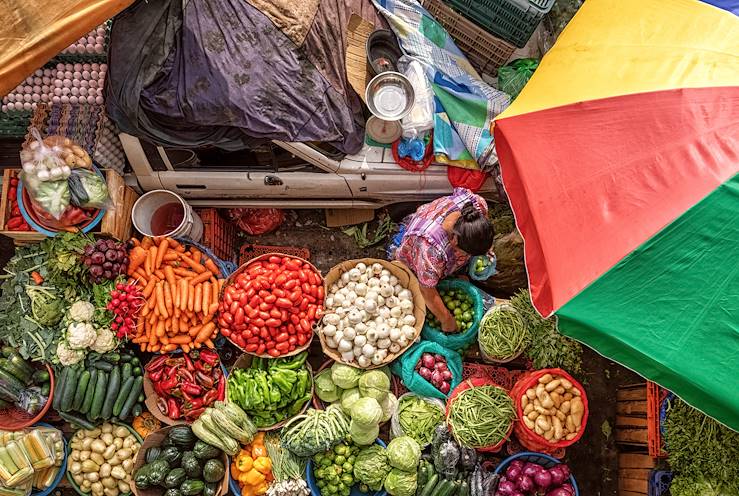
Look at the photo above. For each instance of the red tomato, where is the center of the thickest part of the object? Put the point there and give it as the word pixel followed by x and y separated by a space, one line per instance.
pixel 274 259
pixel 274 313
pixel 261 348
pixel 279 293
pixel 292 340
pixel 284 315
pixel 306 288
pixel 262 293
pixel 252 313
pixel 273 352
pixel 272 322
pixel 263 315
pixel 305 325
pixel 283 303
pixel 302 339
pixel 311 313
pixel 233 307
pixel 239 316
pixel 295 296
pixel 294 319
pixel 251 348
pixel 282 347
pixel 228 298
pixel 289 285
pixel 264 307
pixel 243 299
pixel 270 299
pixel 302 276
pixel 320 293
pixel 283 336
pixel 280 280
pixel 259 322
pixel 225 332
pixel 228 317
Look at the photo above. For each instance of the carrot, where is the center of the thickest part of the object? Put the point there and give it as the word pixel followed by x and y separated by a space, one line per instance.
pixel 169 275
pixel 213 308
pixel 194 330
pixel 140 339
pixel 198 298
pixel 149 288
pixel 205 332
pixel 153 299
pixel 135 242
pixel 159 274
pixel 171 256
pixel 163 247
pixel 211 266
pixel 176 324
pixel 161 304
pixel 169 347
pixel 181 339
pixel 201 278
pixel 168 298
pixel 206 297
pixel 136 258
pixel 152 339
pixel 209 344
pixel 146 243
pixel 183 323
pixel 185 273
pixel 185 348
pixel 145 310
pixel 164 339
pixel 173 243
pixel 193 264
pixel 149 262
pixel 160 328
pixel 190 298
pixel 183 293
pixel 196 255
pixel 141 274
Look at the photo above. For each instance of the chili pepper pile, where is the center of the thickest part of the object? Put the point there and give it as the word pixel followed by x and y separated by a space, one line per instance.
pixel 271 306
pixel 270 391
pixel 186 383
pixel 15 221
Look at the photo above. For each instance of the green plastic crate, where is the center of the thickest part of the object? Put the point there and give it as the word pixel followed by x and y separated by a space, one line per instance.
pixel 512 20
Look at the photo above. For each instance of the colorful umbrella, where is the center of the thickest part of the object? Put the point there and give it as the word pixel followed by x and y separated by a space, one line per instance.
pixel 620 159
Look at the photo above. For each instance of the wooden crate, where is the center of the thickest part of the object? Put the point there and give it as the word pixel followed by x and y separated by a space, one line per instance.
pixel 631 416
pixel 634 470
pixel 116 223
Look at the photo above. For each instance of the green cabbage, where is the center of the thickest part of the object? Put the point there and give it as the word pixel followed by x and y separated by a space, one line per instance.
pixel 348 398
pixel 371 466
pixel 400 483
pixel 404 453
pixel 363 435
pixel 388 405
pixel 374 384
pixel 366 412
pixel 344 376
pixel 325 388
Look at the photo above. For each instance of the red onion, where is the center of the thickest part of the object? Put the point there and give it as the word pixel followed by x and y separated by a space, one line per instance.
pixel 445 387
pixel 446 374
pixel 560 491
pixel 525 483
pixel 569 488
pixel 425 373
pixel 516 463
pixel 439 358
pixel 565 469
pixel 440 366
pixel 531 469
pixel 428 360
pixel 543 479
pixel 436 378
pixel 513 471
pixel 557 475
pixel 506 487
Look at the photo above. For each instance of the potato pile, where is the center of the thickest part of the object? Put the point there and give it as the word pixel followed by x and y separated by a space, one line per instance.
pixel 553 409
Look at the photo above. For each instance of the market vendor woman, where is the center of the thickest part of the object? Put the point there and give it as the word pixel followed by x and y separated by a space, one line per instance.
pixel 439 239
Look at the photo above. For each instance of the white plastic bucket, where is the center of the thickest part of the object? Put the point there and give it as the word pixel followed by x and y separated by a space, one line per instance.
pixel 145 207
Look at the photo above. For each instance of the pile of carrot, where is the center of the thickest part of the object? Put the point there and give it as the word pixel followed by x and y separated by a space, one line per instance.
pixel 181 287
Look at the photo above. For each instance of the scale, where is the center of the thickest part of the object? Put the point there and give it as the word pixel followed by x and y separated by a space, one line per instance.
pixel 384 132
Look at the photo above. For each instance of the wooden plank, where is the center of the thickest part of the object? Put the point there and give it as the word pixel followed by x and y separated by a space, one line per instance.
pixel 635 485
pixel 337 217
pixel 634 473
pixel 637 436
pixel 631 393
pixel 631 408
pixel 627 421
pixel 635 460
pixel 629 493
pixel 357 67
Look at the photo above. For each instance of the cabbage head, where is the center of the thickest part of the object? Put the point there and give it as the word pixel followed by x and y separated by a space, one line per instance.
pixel 374 384
pixel 344 376
pixel 325 388
pixel 366 412
pixel 371 466
pixel 363 435
pixel 400 483
pixel 404 453
pixel 389 405
pixel 348 398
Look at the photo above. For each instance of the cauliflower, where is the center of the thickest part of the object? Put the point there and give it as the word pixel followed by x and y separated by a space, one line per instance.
pixel 81 311
pixel 105 341
pixel 68 356
pixel 81 335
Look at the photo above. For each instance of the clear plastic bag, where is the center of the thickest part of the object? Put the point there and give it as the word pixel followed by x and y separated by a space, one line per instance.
pixel 421 117
pixel 255 221
pixel 88 189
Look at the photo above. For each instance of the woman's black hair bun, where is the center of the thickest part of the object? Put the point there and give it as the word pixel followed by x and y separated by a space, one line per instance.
pixel 469 212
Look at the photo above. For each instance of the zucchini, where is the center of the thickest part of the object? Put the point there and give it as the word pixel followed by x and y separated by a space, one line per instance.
pixel 429 487
pixel 125 357
pixel 123 395
pixel 68 393
pixel 89 393
pixel 464 489
pixel 41 376
pixel 56 403
pixel 77 419
pixel 112 357
pixel 126 371
pixel 137 410
pixel 442 487
pixel 114 385
pixel 99 396
pixel 19 363
pixel 19 373
pixel 133 396
pixel 101 365
pixel 79 394
pixel 422 478
pixel 10 380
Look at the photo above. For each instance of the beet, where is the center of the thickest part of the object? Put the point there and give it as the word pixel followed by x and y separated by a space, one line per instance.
pixel 97 258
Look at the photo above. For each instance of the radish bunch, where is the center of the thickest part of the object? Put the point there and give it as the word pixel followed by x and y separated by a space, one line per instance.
pixel 433 368
pixel 125 303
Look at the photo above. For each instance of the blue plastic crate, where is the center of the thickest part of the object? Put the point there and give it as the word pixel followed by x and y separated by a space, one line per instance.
pixel 659 483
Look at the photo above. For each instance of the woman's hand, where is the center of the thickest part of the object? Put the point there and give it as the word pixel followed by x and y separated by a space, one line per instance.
pixel 437 307
pixel 448 324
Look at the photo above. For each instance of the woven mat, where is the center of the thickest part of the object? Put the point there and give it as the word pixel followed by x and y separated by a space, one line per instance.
pixel 357 68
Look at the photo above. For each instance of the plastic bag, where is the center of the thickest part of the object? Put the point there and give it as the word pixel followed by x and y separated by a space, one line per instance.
pixel 255 221
pixel 88 189
pixel 421 117
pixel 47 197
pixel 31 400
pixel 514 76
pixel 405 367
pixel 484 269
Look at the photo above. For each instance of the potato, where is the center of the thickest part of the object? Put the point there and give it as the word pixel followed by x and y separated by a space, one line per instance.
pixel 541 410
pixel 551 386
pixel 577 419
pixel 565 383
pixel 538 430
pixel 524 401
pixel 121 432
pixel 529 423
pixel 575 392
pixel 532 415
pixel 107 438
pixel 80 434
pixel 87 443
pixel 567 396
pixel 107 427
pixel 577 406
pixel 531 394
pixel 548 435
pixel 129 441
pixel 557 428
pixel 571 436
pixel 560 390
pixel 118 443
pixel 75 455
pixel 92 434
pixel 570 423
pixel 115 460
pixel 128 464
pixel 543 423
pixel 561 416
pixel 537 402
pixel 109 482
pixel 565 407
pixel 547 402
pixel 528 409
pixel 540 389
pixel 556 399
pixel 98 446
pixel 545 379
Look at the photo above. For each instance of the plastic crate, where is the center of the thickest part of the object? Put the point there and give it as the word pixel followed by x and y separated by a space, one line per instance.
pixel 250 251
pixel 500 375
pixel 485 52
pixel 512 20
pixel 659 483
pixel 219 235
pixel 655 396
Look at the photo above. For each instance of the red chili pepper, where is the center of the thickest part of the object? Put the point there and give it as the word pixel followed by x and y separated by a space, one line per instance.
pixel 186 375
pixel 204 379
pixel 193 414
pixel 156 364
pixel 159 390
pixel 162 405
pixel 173 409
pixel 168 383
pixel 156 376
pixel 210 397
pixel 188 363
pixel 221 389
pixel 209 357
pixel 191 389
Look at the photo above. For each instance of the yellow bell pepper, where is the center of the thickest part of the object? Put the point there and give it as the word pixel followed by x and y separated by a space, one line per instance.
pixel 263 464
pixel 254 477
pixel 258 438
pixel 244 462
pixel 242 477
pixel 261 488
pixel 248 491
pixel 258 450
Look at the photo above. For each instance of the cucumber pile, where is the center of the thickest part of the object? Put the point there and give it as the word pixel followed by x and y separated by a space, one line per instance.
pixel 22 385
pixel 108 388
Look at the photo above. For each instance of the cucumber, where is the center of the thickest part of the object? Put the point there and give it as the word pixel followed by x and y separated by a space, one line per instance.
pixel 114 385
pixel 137 370
pixel 126 357
pixel 112 357
pixel 8 394
pixel 123 395
pixel 87 401
pixel 137 410
pixel 133 397
pixel 429 487
pixel 68 393
pixel 46 388
pixel 99 397
pixel 101 365
pixel 17 372
pixel 10 380
pixel 40 376
pixel 422 478
pixel 442 487
pixel 464 489
pixel 142 398
pixel 59 388
pixel 126 372
pixel 79 394
pixel 77 419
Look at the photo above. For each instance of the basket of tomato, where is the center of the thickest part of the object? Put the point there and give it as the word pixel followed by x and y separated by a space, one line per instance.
pixel 268 307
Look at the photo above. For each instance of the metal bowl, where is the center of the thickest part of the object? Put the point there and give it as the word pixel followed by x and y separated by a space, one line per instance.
pixel 390 96
pixel 383 51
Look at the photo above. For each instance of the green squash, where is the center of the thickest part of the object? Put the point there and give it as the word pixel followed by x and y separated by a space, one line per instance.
pixel 211 489
pixel 213 471
pixel 175 478
pixel 191 464
pixel 204 451
pixel 172 454
pixel 192 487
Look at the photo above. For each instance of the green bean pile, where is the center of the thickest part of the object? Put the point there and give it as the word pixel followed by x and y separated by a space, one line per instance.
pixel 502 333
pixel 481 416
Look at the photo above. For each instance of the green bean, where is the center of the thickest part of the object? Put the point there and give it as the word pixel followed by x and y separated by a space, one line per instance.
pixel 418 418
pixel 481 416
pixel 503 333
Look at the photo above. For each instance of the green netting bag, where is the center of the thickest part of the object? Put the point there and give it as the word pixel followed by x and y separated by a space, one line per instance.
pixel 405 368
pixel 514 76
pixel 460 340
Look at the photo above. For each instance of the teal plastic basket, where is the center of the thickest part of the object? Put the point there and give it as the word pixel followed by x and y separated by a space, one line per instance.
pixel 512 20
pixel 460 340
